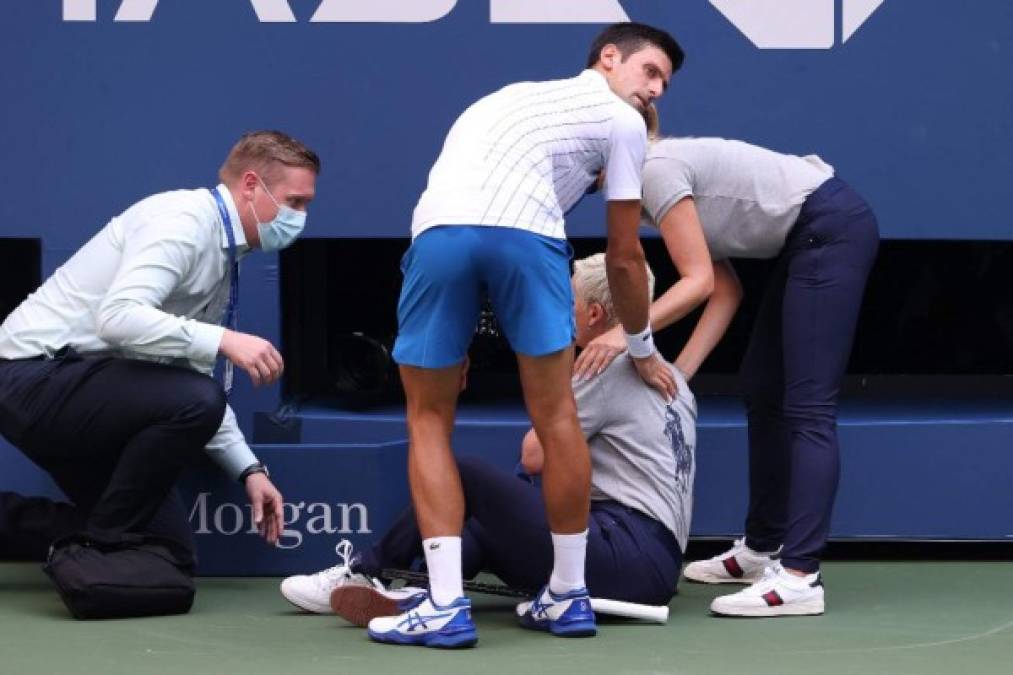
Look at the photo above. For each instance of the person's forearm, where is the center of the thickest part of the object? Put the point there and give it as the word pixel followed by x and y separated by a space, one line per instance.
pixel 228 448
pixel 625 266
pixel 714 321
pixel 628 283
pixel 141 329
pixel 682 298
pixel 687 247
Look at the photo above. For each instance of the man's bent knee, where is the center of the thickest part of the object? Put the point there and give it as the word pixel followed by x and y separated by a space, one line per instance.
pixel 204 403
pixel 558 414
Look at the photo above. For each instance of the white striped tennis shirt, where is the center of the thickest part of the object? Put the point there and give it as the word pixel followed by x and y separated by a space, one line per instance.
pixel 525 155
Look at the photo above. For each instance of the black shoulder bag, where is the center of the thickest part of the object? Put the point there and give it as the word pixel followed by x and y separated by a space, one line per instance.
pixel 123 575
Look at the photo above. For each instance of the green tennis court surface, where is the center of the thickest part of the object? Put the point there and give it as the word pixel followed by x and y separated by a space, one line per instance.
pixel 896 618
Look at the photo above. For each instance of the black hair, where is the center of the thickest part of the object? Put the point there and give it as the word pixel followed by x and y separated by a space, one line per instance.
pixel 631 37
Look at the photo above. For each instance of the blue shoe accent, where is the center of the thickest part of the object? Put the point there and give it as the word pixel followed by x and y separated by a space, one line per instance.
pixel 565 615
pixel 430 625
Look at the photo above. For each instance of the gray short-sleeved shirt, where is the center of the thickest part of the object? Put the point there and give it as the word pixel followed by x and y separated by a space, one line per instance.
pixel 748 198
pixel 642 449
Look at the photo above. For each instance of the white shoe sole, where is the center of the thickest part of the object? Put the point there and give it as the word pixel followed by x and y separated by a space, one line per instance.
pixel 305 603
pixel 705 577
pixel 804 608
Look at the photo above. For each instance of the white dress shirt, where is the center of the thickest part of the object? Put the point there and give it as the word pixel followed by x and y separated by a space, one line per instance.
pixel 153 284
pixel 525 155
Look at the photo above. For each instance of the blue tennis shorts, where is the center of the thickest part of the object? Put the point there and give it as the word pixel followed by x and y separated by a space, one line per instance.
pixel 449 269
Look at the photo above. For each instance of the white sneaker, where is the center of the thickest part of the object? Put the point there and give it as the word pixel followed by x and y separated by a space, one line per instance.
pixel 738 565
pixel 778 593
pixel 312 592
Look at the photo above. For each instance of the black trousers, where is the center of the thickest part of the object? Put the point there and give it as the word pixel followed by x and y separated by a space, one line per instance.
pixel 114 434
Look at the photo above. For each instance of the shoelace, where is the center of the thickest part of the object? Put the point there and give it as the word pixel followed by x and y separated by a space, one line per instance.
pixel 738 546
pixel 341 571
pixel 765 583
pixel 336 575
pixel 773 576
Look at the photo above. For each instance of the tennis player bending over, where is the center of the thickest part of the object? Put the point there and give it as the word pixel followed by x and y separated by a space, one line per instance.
pixel 491 222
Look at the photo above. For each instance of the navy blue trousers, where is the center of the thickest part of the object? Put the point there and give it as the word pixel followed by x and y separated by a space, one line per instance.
pixel 630 556
pixel 114 434
pixel 792 373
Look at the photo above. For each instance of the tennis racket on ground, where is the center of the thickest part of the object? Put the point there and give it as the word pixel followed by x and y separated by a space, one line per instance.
pixel 627 610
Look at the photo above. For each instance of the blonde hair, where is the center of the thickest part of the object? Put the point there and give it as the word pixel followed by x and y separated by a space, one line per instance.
pixel 591 283
pixel 262 151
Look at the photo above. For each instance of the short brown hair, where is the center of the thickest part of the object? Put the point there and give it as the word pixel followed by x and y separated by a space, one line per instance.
pixel 260 150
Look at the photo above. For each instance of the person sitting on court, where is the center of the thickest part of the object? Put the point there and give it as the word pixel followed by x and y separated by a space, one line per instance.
pixel 643 458
pixel 105 369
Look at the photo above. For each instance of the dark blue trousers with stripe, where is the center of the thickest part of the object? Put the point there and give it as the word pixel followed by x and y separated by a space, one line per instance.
pixel 630 556
pixel 792 373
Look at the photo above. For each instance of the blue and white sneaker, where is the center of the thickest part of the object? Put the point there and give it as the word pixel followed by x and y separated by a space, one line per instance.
pixel 429 625
pixel 566 615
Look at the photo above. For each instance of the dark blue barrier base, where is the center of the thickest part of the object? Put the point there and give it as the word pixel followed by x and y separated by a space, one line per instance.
pixel 911 470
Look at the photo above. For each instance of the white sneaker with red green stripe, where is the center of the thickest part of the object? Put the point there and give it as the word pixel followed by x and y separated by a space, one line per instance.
pixel 738 565
pixel 778 593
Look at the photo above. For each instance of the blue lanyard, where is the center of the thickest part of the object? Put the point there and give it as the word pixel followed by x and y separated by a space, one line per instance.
pixel 231 319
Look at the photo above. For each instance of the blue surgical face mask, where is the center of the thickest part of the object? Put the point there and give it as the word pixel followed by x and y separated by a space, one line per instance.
pixel 285 227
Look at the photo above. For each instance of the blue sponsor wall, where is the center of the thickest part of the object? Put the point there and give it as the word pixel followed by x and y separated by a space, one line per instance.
pixel 913 109
pixel 107 101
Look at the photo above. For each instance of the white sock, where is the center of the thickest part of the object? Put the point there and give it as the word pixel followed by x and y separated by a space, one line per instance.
pixel 568 565
pixel 443 558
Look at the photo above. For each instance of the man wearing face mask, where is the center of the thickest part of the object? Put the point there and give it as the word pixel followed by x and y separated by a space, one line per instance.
pixel 105 369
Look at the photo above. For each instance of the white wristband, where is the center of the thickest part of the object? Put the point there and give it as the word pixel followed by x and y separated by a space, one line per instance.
pixel 641 345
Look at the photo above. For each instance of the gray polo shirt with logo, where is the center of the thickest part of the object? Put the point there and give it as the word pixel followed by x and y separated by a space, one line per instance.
pixel 642 448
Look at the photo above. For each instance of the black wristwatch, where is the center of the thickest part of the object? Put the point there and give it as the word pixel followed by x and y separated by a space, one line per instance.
pixel 256 467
